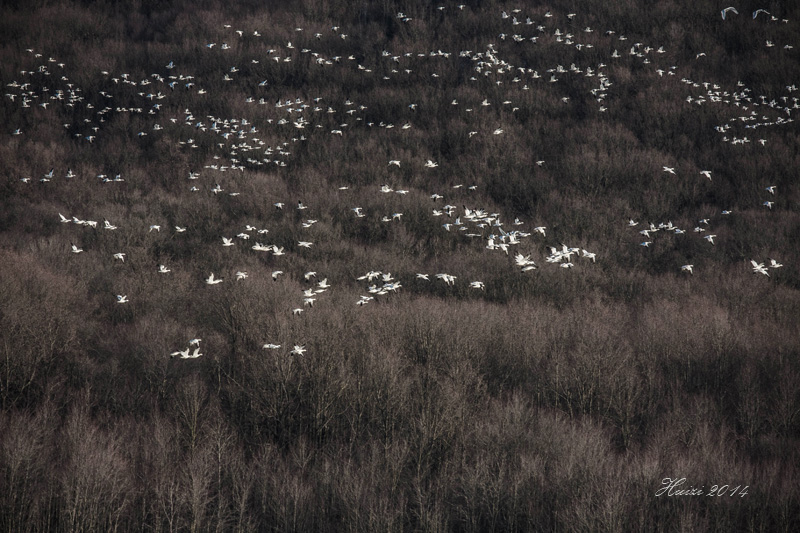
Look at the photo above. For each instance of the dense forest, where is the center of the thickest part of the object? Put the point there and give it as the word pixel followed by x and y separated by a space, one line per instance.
pixel 399 266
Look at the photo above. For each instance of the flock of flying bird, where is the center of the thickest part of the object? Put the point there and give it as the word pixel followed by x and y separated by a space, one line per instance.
pixel 703 225
pixel 236 145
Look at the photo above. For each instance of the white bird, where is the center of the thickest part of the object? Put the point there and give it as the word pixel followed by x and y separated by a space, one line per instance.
pixel 271 346
pixel 122 299
pixel 64 219
pixel 211 280
pixel 195 342
pixel 687 268
pixel 194 355
pixel 430 164
pixel 523 260
pixel 758 268
pixel 275 274
pixel 731 9
pixel 770 189
pixel 477 285
pixel 447 278
pixel 155 227
pixel 710 238
pixel 183 353
pixel 671 170
pixel 163 269
pixel 309 275
pixel 107 225
pixel 241 275
pixel 298 350
pixel 395 162
pixel 774 264
pixel 228 241
pixel 706 173
pixel 76 250
pixel 120 256
pixel 769 204
pixel 589 255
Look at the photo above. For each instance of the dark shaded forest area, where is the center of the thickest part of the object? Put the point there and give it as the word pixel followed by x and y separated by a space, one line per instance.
pixel 399 266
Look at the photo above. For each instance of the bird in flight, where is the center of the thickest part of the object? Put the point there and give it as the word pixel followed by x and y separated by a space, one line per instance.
pixel 729 9
pixel 298 350
pixel 758 268
pixel 184 353
pixel 211 280
pixel 194 355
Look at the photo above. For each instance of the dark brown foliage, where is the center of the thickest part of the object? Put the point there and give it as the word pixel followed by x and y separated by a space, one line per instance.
pixel 551 400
